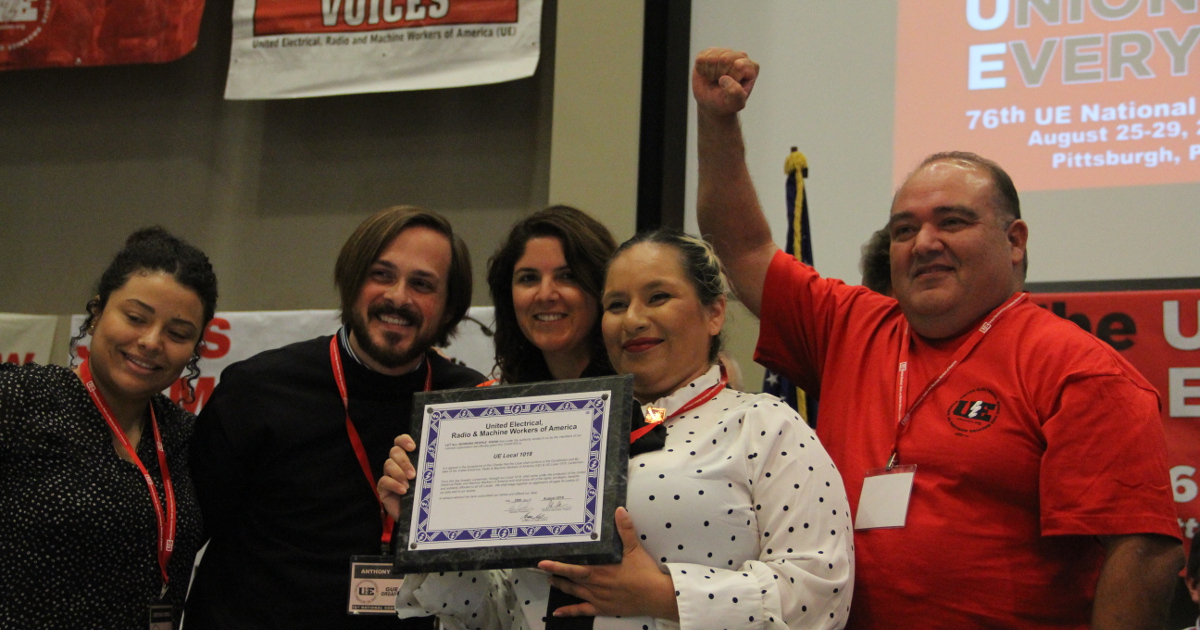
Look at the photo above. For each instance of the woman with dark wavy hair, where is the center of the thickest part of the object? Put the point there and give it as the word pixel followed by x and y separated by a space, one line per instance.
pixel 545 281
pixel 98 515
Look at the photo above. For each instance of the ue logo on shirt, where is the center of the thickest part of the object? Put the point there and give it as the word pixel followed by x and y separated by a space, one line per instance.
pixel 974 411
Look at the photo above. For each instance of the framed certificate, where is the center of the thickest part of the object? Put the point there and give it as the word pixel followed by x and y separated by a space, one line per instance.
pixel 512 475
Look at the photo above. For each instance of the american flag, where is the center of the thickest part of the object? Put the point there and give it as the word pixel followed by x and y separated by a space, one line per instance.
pixel 799 244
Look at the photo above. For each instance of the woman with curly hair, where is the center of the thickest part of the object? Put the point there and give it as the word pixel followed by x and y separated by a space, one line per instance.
pixel 98 518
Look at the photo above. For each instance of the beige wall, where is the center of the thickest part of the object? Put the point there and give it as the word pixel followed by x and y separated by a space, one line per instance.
pixel 597 104
pixel 271 189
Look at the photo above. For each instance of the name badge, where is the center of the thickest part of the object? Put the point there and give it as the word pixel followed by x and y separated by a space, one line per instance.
pixel 160 617
pixel 373 587
pixel 884 499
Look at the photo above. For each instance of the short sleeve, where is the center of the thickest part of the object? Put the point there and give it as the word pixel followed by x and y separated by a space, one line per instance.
pixel 785 336
pixel 1104 471
pixel 802 313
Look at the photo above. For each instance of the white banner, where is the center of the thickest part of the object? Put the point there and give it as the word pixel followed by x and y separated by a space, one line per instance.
pixel 298 48
pixel 26 338
pixel 233 336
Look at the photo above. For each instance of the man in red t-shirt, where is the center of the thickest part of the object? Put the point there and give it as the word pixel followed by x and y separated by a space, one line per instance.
pixel 1005 469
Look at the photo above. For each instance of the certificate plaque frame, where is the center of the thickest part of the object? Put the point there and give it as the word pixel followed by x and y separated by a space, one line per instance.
pixel 460 515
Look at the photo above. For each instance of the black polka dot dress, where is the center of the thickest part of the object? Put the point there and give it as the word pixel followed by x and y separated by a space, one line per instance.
pixel 78 535
pixel 743 507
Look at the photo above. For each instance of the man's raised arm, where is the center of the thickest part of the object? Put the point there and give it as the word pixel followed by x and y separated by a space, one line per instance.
pixel 727 207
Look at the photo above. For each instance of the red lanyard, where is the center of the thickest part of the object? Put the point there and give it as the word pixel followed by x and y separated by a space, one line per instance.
pixel 903 417
pixel 700 399
pixel 166 526
pixel 359 450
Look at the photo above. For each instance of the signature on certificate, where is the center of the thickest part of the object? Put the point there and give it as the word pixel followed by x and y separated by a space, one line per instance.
pixel 533 517
pixel 516 506
pixel 556 504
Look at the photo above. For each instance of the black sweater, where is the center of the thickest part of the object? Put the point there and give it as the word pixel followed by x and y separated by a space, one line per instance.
pixel 282 493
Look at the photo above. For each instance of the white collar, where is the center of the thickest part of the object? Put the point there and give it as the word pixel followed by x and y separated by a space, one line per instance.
pixel 687 393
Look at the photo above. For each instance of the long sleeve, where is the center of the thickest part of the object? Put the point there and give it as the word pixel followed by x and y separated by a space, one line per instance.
pixel 462 600
pixel 803 573
pixel 218 471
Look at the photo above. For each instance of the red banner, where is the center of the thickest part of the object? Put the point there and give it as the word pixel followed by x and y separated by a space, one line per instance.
pixel 70 33
pixel 1159 333
pixel 290 17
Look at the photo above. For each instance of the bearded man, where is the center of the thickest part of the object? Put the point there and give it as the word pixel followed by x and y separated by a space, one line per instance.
pixel 287 451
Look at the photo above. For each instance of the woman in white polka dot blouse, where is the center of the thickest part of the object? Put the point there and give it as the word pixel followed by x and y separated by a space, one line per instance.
pixel 739 521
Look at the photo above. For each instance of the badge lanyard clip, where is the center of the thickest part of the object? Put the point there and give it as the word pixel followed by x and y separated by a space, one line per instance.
pixel 903 415
pixel 166 522
pixel 883 500
pixel 360 451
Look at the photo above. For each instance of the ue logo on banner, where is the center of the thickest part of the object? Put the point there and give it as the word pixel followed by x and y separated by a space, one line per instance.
pixel 21 21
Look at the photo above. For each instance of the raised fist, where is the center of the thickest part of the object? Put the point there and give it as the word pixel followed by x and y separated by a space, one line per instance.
pixel 722 80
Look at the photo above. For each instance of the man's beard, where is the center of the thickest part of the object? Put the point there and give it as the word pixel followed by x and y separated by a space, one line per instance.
pixel 385 355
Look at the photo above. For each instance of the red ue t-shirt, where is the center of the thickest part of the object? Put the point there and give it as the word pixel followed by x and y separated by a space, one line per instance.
pixel 1042 439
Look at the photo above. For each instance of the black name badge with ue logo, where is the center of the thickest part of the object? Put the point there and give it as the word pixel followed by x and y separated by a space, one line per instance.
pixel 373 586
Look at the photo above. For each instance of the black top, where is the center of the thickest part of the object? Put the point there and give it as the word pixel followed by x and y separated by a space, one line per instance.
pixel 285 499
pixel 539 373
pixel 78 535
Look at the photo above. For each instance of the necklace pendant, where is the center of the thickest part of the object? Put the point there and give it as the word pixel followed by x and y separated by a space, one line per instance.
pixel 655 415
